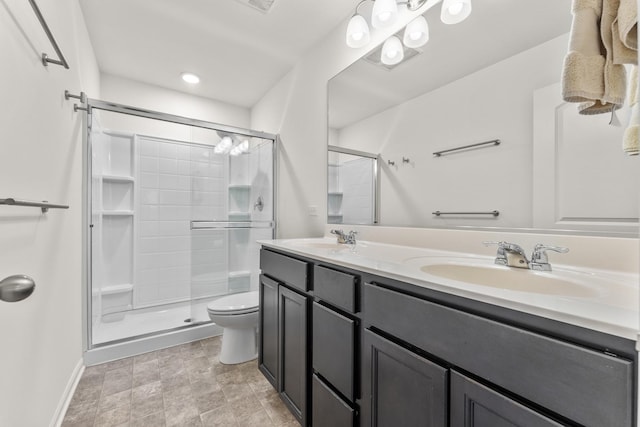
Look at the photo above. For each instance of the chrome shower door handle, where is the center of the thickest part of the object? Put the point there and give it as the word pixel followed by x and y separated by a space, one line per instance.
pixel 16 288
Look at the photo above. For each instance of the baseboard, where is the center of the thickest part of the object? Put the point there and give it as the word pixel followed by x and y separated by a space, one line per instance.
pixel 66 397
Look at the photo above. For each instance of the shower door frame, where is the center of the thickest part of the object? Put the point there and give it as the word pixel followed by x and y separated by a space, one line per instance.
pixel 123 350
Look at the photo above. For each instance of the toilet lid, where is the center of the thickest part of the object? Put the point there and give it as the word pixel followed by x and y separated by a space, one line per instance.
pixel 244 302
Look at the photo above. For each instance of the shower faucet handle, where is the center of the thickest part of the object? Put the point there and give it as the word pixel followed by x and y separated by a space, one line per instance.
pixel 259 204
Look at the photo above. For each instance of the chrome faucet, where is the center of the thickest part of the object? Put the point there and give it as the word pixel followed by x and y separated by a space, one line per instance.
pixel 349 238
pixel 512 255
pixel 539 259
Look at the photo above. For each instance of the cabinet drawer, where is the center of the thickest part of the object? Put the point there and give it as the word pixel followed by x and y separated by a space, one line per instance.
pixel 333 348
pixel 335 287
pixel 586 386
pixel 291 271
pixel 328 409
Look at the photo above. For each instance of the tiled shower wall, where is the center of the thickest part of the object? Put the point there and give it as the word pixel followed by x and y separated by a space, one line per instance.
pixel 178 183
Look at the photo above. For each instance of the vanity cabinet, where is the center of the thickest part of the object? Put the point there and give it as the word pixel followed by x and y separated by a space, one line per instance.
pixel 351 348
pixel 335 348
pixel 401 388
pixel 572 382
pixel 283 329
pixel 475 405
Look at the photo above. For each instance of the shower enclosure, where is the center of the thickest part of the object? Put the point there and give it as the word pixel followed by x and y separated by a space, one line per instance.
pixel 176 207
pixel 352 186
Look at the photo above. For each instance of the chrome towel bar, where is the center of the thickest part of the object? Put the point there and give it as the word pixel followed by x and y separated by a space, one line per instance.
pixel 44 205
pixel 209 225
pixel 479 144
pixel 494 213
pixel 45 58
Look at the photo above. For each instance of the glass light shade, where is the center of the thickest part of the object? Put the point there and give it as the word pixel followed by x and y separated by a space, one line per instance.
pixel 358 32
pixel 392 51
pixel 455 11
pixel 384 13
pixel 417 33
pixel 223 146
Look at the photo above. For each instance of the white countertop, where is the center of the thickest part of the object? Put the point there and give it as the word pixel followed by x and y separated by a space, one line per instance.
pixel 612 309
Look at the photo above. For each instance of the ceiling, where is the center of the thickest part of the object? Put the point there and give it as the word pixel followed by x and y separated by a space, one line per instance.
pixel 495 30
pixel 238 52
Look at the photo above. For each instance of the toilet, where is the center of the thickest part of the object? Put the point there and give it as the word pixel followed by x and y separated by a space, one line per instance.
pixel 238 315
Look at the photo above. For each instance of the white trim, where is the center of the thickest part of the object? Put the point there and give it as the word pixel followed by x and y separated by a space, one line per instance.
pixel 66 397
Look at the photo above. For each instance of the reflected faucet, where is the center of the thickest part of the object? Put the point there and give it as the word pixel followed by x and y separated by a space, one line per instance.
pixel 349 238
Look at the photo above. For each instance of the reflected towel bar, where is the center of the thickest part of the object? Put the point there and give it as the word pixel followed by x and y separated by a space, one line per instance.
pixel 45 58
pixel 229 225
pixel 44 205
pixel 479 144
pixel 494 213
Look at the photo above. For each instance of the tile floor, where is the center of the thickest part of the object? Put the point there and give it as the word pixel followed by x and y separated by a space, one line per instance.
pixel 180 386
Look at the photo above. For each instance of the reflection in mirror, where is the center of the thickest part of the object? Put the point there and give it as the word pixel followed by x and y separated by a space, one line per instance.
pixel 352 187
pixel 554 169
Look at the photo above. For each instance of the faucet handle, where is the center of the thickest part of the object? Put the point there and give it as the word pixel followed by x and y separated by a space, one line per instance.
pixel 539 259
pixel 501 257
pixel 540 251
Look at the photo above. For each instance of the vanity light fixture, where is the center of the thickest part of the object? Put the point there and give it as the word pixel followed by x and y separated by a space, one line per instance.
pixel 190 78
pixel 392 51
pixel 416 33
pixel 242 147
pixel 455 11
pixel 223 146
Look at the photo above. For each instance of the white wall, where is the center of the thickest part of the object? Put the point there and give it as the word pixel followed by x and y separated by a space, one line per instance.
pixel 41 159
pixel 493 103
pixel 296 108
pixel 143 95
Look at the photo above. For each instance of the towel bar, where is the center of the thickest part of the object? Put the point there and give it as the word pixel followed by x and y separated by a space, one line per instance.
pixel 44 205
pixel 479 144
pixel 45 58
pixel 494 213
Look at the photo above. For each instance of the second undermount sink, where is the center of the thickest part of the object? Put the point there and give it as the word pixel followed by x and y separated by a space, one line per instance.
pixel 484 273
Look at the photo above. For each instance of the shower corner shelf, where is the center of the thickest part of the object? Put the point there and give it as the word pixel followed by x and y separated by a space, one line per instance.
pixel 117 213
pixel 116 289
pixel 117 178
pixel 335 193
pixel 244 187
pixel 239 273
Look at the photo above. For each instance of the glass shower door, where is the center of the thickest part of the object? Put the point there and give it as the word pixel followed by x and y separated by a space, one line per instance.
pixel 224 248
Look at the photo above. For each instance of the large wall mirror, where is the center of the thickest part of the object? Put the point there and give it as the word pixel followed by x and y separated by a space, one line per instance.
pixel 495 76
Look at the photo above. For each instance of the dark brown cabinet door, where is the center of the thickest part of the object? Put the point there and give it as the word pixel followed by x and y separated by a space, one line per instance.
pixel 474 405
pixel 293 366
pixel 400 387
pixel 268 330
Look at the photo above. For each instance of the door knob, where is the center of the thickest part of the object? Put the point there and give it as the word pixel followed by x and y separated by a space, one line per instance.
pixel 16 288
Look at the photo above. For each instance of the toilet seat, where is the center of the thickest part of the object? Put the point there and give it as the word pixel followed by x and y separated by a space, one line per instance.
pixel 240 303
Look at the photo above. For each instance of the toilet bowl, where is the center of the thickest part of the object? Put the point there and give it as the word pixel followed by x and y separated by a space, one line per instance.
pixel 237 314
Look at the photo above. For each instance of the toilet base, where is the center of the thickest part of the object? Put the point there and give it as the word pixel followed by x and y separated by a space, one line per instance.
pixel 238 345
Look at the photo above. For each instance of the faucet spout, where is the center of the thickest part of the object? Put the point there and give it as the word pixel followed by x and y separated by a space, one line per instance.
pixel 349 238
pixel 510 254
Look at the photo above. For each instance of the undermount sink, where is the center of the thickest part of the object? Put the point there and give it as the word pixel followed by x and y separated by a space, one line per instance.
pixel 484 273
pixel 313 243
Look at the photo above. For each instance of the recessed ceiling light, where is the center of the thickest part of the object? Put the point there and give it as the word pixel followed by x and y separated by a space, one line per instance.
pixel 190 78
